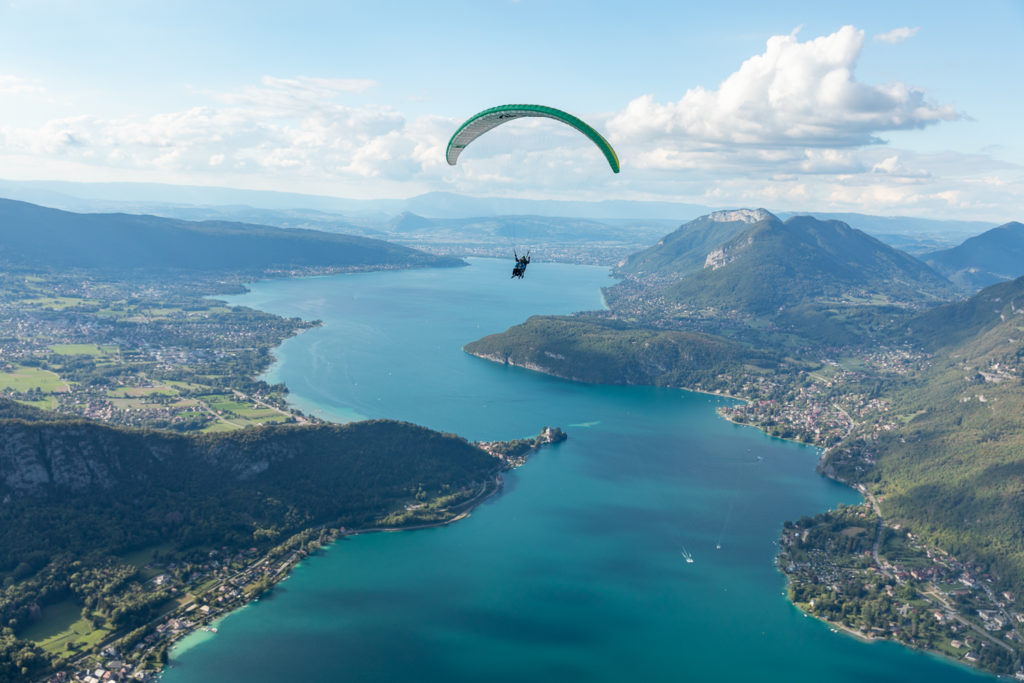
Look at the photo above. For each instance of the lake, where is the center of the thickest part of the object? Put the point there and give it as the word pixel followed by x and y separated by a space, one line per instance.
pixel 576 570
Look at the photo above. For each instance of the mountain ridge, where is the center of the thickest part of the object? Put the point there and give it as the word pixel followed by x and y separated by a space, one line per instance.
pixel 993 256
pixel 755 263
pixel 36 236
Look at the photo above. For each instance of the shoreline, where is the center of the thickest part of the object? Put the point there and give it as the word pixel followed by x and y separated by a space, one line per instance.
pixel 822 452
pixel 869 639
pixel 488 491
pixel 484 495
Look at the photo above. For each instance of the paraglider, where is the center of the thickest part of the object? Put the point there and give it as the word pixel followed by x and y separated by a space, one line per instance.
pixel 488 119
pixel 519 270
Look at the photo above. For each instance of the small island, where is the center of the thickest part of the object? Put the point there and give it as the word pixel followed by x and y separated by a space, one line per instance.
pixel 514 453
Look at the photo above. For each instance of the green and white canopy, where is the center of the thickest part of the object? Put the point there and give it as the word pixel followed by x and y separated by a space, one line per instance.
pixel 480 123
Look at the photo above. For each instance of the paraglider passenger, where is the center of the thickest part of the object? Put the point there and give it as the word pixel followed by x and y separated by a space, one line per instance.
pixel 521 262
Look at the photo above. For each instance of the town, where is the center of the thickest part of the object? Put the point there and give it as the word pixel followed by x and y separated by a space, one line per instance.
pixel 878 581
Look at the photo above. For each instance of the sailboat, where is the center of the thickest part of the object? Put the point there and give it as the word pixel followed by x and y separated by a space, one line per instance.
pixel 687 556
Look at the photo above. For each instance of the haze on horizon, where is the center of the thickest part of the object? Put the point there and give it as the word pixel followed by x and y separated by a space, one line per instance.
pixel 908 108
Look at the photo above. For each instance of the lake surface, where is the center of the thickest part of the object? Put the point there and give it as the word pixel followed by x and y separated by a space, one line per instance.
pixel 573 573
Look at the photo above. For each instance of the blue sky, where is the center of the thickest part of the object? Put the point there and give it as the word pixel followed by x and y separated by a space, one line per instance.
pixel 909 108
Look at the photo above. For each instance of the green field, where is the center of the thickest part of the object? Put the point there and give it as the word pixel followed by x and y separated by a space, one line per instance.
pixel 60 623
pixel 84 349
pixel 136 392
pixel 48 403
pixel 24 378
pixel 219 426
pixel 57 303
pixel 242 410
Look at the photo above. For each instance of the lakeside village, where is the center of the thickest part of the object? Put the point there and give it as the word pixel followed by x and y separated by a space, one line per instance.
pixel 157 355
pixel 853 569
pixel 204 589
pixel 213 585
pixel 850 569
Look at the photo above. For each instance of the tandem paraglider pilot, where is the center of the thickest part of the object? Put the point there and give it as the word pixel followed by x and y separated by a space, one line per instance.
pixel 488 119
pixel 519 270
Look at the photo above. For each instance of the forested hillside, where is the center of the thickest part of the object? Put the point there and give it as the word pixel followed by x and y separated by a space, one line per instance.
pixel 87 507
pixel 78 486
pixel 608 352
pixel 952 468
pixel 988 258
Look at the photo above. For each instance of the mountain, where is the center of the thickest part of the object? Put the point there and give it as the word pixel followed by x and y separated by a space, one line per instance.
pixel 450 205
pixel 528 230
pixel 117 196
pixel 726 289
pixel 601 351
pixel 750 261
pixel 968 321
pixel 685 250
pixel 77 497
pixel 32 235
pixel 993 256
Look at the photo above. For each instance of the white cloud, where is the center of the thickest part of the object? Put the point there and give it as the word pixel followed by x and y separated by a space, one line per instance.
pixel 893 167
pixel 14 85
pixel 792 128
pixel 897 35
pixel 791 95
pixel 282 125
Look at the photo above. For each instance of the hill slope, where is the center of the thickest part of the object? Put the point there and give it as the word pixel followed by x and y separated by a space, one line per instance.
pixel 79 486
pixel 966 322
pixel 952 466
pixel 35 236
pixel 686 250
pixel 607 352
pixel 980 261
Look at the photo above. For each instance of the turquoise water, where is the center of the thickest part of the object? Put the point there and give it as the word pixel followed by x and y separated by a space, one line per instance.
pixel 574 572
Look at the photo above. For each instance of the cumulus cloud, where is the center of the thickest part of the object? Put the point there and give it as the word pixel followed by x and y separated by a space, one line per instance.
pixel 792 128
pixel 794 94
pixel 280 125
pixel 897 35
pixel 306 133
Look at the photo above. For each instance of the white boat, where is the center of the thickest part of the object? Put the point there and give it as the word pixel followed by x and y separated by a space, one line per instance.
pixel 687 556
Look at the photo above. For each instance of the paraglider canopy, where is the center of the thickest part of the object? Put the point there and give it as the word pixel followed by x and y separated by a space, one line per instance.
pixel 480 123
